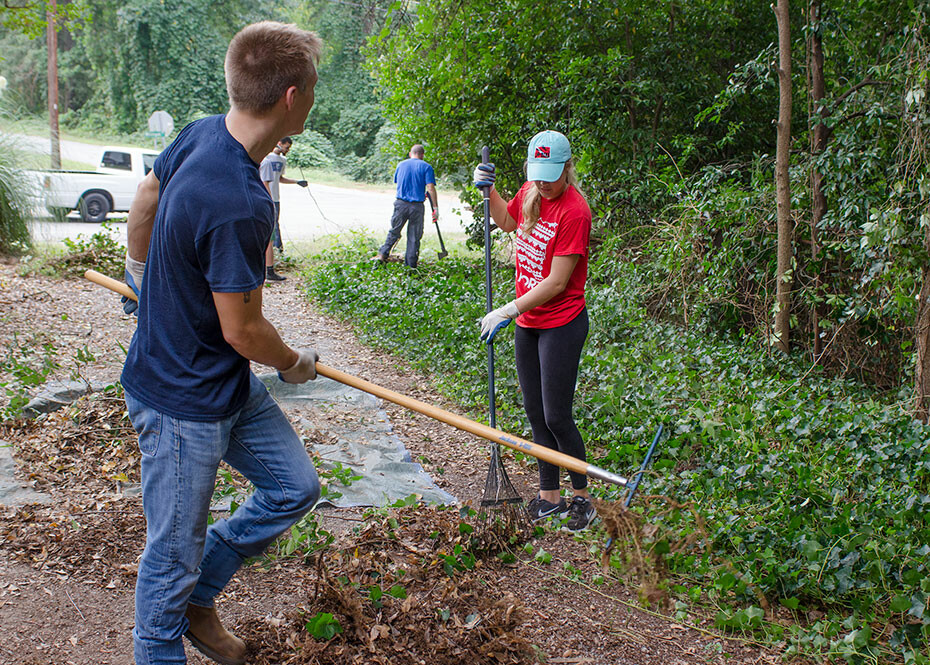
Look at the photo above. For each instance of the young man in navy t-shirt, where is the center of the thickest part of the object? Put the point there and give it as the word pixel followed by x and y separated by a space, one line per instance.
pixel 414 178
pixel 198 228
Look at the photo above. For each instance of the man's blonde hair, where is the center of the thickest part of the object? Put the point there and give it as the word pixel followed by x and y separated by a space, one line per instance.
pixel 265 59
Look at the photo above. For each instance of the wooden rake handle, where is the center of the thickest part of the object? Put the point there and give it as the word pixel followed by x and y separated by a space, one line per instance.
pixel 457 421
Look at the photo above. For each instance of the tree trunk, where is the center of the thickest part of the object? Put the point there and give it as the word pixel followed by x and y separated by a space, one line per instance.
pixel 52 43
pixel 818 145
pixel 922 401
pixel 784 273
pixel 916 160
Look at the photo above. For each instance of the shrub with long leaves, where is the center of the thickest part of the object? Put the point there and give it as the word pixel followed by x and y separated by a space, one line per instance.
pixel 14 201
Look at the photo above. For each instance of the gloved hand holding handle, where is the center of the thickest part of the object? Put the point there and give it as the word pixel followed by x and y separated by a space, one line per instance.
pixel 303 370
pixel 497 319
pixel 135 271
pixel 484 175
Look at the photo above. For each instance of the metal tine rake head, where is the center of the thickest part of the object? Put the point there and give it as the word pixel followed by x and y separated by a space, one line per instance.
pixel 502 521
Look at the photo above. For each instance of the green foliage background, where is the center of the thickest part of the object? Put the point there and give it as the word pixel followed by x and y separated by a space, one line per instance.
pixel 120 61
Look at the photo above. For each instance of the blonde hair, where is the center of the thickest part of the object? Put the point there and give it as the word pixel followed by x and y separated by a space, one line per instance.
pixel 265 59
pixel 533 199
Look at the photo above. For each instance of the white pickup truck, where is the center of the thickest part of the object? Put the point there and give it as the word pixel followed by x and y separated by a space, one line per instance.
pixel 94 194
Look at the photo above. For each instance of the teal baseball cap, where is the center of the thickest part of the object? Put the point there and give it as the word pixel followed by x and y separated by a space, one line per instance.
pixel 546 156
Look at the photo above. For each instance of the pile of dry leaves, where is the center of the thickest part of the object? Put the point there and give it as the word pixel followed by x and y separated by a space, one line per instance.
pixel 96 540
pixel 407 589
pixel 89 446
pixel 82 456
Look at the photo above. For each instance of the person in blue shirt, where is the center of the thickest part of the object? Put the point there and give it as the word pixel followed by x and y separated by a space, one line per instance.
pixel 197 233
pixel 415 179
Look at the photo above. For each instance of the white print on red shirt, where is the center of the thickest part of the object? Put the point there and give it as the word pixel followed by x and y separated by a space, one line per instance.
pixel 531 252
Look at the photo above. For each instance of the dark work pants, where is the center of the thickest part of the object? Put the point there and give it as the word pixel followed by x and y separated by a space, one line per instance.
pixel 276 233
pixel 411 214
pixel 547 365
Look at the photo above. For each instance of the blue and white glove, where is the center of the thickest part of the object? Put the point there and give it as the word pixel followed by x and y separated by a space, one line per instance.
pixel 135 271
pixel 302 183
pixel 497 319
pixel 484 175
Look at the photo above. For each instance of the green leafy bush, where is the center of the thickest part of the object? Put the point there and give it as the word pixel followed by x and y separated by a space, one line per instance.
pixel 355 131
pixel 377 165
pixel 814 492
pixel 311 149
pixel 102 252
pixel 24 365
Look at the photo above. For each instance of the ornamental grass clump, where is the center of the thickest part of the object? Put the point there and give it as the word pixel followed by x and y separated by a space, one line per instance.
pixel 14 202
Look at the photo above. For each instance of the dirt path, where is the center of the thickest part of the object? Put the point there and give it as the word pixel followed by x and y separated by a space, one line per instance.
pixel 77 609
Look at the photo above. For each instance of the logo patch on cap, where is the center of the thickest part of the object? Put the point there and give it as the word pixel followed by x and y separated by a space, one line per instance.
pixel 542 152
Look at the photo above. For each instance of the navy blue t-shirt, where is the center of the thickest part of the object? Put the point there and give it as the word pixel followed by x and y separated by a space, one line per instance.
pixel 412 176
pixel 212 226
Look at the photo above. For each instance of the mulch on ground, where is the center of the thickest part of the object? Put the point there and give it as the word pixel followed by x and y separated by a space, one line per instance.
pixel 434 603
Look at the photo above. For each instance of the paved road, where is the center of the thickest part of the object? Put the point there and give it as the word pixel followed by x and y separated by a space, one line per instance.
pixel 336 210
pixel 73 150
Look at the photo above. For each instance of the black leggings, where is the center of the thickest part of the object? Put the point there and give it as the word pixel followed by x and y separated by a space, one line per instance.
pixel 547 364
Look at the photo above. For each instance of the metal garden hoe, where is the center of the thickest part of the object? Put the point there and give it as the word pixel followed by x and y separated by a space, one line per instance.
pixel 489 433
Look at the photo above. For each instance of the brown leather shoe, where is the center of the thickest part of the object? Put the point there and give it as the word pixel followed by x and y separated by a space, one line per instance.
pixel 211 639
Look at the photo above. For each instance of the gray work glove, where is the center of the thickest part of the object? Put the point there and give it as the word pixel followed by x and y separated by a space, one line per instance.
pixel 135 271
pixel 303 370
pixel 497 319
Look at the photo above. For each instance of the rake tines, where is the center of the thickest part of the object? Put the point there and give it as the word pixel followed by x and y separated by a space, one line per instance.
pixel 502 520
pixel 498 490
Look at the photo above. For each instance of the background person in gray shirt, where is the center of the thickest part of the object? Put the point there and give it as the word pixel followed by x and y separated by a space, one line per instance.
pixel 272 174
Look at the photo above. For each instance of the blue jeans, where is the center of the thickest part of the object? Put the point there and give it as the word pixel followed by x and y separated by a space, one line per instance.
pixel 183 560
pixel 411 214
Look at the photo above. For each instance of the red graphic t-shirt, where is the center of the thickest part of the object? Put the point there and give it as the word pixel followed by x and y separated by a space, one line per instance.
pixel 564 228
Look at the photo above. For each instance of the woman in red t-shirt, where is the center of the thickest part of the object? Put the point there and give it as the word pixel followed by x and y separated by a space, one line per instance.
pixel 552 222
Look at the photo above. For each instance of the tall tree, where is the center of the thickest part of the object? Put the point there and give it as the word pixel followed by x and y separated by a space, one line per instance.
pixel 152 55
pixel 784 272
pixel 914 156
pixel 818 145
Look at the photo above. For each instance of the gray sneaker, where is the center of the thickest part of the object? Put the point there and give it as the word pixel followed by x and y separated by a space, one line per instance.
pixel 539 508
pixel 580 514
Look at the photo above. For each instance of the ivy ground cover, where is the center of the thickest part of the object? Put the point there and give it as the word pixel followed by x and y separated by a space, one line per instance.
pixel 810 494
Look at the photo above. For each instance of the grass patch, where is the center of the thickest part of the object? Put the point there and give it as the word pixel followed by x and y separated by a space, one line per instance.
pixel 814 492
